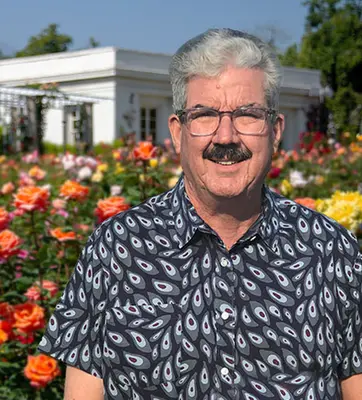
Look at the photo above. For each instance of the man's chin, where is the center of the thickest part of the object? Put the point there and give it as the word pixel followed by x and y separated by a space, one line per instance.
pixel 225 191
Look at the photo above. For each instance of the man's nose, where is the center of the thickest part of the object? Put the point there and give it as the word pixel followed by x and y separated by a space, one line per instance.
pixel 226 132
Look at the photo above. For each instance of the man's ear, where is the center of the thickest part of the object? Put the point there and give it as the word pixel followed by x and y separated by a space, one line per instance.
pixel 175 127
pixel 278 129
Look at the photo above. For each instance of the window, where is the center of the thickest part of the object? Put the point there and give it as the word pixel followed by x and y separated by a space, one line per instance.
pixel 148 123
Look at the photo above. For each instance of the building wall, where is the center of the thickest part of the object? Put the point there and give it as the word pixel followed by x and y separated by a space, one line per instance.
pixel 294 108
pixel 145 94
pixel 117 76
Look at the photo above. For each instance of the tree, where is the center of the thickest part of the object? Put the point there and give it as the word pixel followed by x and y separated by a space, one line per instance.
pixel 320 11
pixel 333 44
pixel 290 58
pixel 49 40
pixel 93 43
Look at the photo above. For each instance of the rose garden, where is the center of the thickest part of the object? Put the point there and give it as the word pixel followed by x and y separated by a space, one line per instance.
pixel 50 204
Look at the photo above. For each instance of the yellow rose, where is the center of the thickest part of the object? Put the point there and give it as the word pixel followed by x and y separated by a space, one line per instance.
pixel 319 180
pixel 286 187
pixel 172 181
pixel 153 162
pixel 97 177
pixel 102 167
pixel 142 178
pixel 119 168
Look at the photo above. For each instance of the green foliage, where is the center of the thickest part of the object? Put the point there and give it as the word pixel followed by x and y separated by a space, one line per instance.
pixel 290 57
pixel 333 44
pixel 52 148
pixel 93 43
pixel 343 105
pixel 49 40
pixel 320 11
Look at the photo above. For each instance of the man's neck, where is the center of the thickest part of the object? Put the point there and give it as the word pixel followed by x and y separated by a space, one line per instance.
pixel 229 218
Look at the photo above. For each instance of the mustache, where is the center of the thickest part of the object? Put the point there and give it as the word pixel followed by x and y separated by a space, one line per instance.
pixel 229 152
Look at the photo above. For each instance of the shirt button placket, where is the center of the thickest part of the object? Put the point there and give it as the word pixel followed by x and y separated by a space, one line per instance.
pixel 228 318
pixel 225 262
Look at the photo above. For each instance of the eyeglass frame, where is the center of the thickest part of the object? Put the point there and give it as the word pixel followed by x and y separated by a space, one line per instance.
pixel 270 113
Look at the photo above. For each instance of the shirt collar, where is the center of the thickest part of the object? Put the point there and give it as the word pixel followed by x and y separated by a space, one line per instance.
pixel 188 222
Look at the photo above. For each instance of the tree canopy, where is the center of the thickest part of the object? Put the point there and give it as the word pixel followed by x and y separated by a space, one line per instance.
pixel 49 40
pixel 332 43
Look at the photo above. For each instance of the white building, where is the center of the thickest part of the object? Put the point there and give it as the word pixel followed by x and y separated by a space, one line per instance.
pixel 134 91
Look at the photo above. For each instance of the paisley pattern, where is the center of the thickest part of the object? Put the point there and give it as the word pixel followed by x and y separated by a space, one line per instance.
pixel 159 309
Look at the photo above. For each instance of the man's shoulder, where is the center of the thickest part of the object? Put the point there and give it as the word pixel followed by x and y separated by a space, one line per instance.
pixel 319 225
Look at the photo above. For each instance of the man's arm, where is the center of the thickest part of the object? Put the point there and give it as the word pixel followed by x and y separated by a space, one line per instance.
pixel 352 388
pixel 80 385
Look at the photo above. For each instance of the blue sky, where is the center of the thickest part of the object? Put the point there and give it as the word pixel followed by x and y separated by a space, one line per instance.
pixel 149 25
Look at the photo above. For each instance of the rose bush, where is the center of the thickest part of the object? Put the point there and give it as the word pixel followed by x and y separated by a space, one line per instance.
pixel 49 205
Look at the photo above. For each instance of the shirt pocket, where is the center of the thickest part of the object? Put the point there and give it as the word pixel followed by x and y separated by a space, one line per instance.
pixel 142 344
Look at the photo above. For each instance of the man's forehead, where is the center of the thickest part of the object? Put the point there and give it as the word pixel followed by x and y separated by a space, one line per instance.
pixel 234 90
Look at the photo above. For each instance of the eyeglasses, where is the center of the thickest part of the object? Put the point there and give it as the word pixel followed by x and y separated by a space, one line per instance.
pixel 204 121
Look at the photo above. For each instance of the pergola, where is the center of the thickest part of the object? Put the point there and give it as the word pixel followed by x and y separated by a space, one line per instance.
pixel 22 116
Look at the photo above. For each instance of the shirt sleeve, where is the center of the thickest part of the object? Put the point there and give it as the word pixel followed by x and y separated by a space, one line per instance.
pixel 352 334
pixel 74 333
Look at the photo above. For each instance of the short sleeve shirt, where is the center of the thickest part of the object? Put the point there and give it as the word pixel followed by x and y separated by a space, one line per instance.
pixel 159 308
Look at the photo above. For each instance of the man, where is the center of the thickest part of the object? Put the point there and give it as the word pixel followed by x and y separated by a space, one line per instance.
pixel 219 288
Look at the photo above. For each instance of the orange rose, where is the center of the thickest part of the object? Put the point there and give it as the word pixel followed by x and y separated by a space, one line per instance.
pixel 73 190
pixel 6 331
pixel 9 244
pixel 144 151
pixel 31 198
pixel 6 310
pixel 28 317
pixel 62 236
pixel 306 202
pixel 37 173
pixel 34 292
pixel 4 336
pixel 111 206
pixel 7 188
pixel 4 218
pixel 41 370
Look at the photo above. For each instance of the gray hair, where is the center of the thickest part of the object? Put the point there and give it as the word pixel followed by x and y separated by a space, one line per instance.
pixel 209 53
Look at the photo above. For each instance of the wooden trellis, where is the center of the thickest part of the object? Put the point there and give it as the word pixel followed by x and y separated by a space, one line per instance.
pixel 22 117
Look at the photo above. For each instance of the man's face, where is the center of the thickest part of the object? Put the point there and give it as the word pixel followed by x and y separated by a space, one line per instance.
pixel 234 88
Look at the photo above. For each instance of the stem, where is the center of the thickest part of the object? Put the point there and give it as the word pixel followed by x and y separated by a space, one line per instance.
pixel 57 280
pixel 12 271
pixel 65 264
pixel 33 231
pixel 143 184
pixel 37 247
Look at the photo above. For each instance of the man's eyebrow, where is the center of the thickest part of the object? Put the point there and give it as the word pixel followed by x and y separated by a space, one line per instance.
pixel 249 105
pixel 201 106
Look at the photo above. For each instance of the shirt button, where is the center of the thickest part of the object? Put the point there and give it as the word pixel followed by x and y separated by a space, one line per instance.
pixel 225 315
pixel 224 371
pixel 225 262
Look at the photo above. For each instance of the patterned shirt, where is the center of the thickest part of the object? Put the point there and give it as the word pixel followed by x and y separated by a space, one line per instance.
pixel 159 308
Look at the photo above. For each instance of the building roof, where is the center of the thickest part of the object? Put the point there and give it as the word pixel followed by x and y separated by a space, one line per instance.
pixel 111 61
